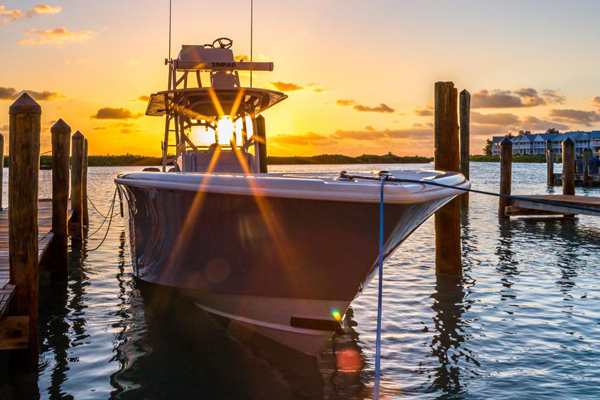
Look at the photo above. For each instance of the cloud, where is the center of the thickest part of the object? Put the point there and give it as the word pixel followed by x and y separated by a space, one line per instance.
pixel 291 87
pixel 595 102
pixel 520 97
pixel 56 36
pixel 575 116
pixel 532 124
pixel 494 119
pixel 308 139
pixel 501 99
pixel 425 112
pixel 44 96
pixel 143 98
pixel 286 87
pixel 241 57
pixel 10 93
pixel 115 113
pixel 511 122
pixel 7 15
pixel 382 108
pixel 417 132
pixel 553 97
pixel 46 9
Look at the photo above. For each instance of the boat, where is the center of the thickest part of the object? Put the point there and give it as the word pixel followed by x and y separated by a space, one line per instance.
pixel 281 254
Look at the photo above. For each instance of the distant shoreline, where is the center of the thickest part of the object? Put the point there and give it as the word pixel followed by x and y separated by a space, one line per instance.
pixel 130 160
pixel 145 161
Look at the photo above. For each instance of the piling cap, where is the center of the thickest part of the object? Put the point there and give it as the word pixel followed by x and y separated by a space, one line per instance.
pixel 25 105
pixel 78 135
pixel 505 141
pixel 569 141
pixel 60 127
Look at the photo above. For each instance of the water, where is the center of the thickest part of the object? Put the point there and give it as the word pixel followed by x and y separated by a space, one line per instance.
pixel 524 322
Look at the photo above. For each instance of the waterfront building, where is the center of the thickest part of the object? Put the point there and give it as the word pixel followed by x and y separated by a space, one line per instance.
pixel 535 143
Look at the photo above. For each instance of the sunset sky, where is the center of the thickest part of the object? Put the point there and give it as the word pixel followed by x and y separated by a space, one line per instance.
pixel 359 74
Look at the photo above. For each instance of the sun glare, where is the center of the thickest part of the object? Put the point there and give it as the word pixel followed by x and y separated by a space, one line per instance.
pixel 203 136
pixel 225 129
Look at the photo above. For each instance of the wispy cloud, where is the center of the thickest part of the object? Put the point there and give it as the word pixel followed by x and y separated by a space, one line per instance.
pixel 56 36
pixel 585 118
pixel 286 86
pixel 425 112
pixel 518 98
pixel 8 15
pixel 512 123
pixel 10 93
pixel 115 113
pixel 494 119
pixel 307 139
pixel 291 87
pixel 381 108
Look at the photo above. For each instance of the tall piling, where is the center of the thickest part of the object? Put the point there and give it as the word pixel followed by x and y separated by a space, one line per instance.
pixel 61 143
pixel 549 164
pixel 1 169
pixel 84 195
pixel 24 166
pixel 587 154
pixel 568 156
pixel 505 175
pixel 465 141
pixel 76 220
pixel 261 132
pixel 447 157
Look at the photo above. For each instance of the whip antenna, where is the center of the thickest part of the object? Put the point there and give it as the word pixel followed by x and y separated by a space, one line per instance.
pixel 251 34
pixel 170 7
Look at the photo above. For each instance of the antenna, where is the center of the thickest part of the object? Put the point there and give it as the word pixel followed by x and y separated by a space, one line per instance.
pixel 251 33
pixel 170 7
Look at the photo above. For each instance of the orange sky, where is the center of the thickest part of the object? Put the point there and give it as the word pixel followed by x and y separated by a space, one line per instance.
pixel 359 74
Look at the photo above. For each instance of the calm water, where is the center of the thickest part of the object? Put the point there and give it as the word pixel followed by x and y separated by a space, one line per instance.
pixel 524 322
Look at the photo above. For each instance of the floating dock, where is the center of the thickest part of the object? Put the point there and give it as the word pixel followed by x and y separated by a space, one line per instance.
pixel 519 207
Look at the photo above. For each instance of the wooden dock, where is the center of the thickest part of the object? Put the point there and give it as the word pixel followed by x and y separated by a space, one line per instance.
pixel 13 330
pixel 518 207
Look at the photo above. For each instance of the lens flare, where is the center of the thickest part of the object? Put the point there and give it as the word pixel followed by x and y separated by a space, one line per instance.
pixel 336 315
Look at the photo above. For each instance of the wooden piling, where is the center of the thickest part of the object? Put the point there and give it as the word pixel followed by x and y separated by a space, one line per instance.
pixel 24 150
pixel 505 175
pixel 76 220
pixel 549 164
pixel 261 132
pixel 61 143
pixel 1 169
pixel 447 157
pixel 465 133
pixel 587 154
pixel 568 156
pixel 84 195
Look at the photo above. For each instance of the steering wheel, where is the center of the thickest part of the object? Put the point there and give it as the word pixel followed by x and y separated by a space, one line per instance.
pixel 224 43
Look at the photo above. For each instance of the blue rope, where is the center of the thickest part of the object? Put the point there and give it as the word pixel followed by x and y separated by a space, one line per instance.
pixel 380 296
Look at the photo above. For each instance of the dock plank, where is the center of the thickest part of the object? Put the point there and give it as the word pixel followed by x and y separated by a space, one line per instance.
pixel 45 236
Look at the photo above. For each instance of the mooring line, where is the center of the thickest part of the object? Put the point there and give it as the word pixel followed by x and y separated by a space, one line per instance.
pixel 112 207
pixel 344 175
pixel 96 208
